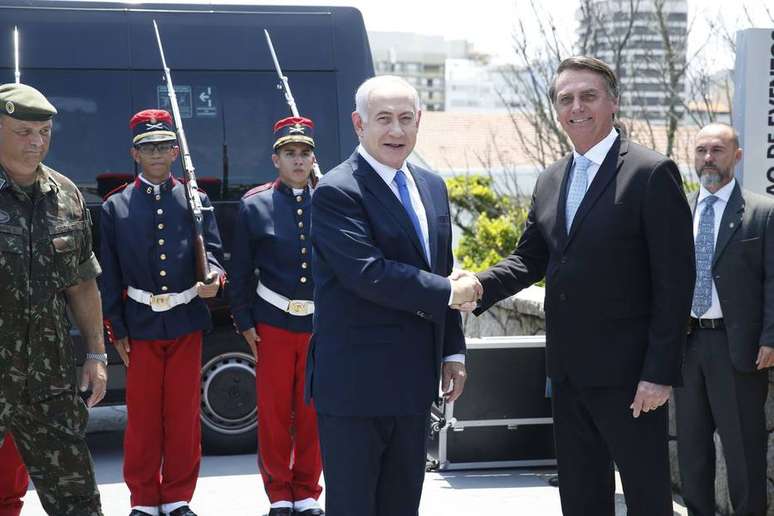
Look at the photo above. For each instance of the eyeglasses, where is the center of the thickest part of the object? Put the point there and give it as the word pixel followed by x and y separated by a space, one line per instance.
pixel 150 148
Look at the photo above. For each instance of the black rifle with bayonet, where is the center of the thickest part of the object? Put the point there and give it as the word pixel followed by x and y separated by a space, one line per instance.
pixel 191 188
pixel 284 85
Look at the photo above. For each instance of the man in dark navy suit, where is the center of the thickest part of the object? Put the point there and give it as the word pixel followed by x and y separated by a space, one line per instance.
pixel 155 314
pixel 383 325
pixel 610 230
pixel 274 315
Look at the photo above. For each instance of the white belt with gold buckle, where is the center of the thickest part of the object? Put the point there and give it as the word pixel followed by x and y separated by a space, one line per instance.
pixel 299 307
pixel 162 302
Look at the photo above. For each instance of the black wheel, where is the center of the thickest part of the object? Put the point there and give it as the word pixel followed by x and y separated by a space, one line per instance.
pixel 228 411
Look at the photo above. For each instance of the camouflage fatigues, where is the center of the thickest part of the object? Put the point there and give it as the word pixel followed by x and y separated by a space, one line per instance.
pixel 45 247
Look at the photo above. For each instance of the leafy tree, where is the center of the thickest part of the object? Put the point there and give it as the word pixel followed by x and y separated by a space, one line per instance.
pixel 491 222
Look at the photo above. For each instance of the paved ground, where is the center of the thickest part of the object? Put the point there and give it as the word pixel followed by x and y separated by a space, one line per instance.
pixel 230 486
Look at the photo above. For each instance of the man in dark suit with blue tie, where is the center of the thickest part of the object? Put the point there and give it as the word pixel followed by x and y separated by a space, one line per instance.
pixel 731 340
pixel 610 230
pixel 384 329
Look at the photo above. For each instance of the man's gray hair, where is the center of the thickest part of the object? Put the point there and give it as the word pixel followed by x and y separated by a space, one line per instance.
pixel 365 90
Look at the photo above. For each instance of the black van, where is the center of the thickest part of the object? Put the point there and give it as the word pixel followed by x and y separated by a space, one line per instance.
pixel 98 63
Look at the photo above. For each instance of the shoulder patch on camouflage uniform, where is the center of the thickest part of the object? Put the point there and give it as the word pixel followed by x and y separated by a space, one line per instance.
pixel 119 188
pixel 258 189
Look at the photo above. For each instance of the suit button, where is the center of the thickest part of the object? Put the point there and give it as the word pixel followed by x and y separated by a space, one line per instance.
pixel 562 297
pixel 303 279
pixel 163 256
pixel 300 211
pixel 159 212
pixel 303 250
pixel 164 288
pixel 161 241
pixel 162 273
pixel 160 226
pixel 302 236
pixel 300 224
pixel 158 197
pixel 304 265
pixel 299 198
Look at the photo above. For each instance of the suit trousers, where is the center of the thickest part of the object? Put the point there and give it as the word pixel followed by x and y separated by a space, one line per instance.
pixel 288 445
pixel 374 466
pixel 716 396
pixel 162 443
pixel 594 429
pixel 13 478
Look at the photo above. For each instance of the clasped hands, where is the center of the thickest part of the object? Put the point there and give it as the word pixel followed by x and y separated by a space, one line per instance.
pixel 466 290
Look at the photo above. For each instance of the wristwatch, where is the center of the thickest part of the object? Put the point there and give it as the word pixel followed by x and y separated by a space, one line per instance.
pixel 100 357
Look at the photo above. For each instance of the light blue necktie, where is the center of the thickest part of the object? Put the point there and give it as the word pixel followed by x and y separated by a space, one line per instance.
pixel 405 199
pixel 705 251
pixel 577 190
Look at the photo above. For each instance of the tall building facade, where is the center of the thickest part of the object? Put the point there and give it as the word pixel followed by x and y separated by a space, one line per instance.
pixel 645 42
pixel 477 86
pixel 418 58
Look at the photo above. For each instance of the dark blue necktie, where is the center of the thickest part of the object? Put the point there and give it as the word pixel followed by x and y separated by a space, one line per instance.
pixel 705 251
pixel 405 199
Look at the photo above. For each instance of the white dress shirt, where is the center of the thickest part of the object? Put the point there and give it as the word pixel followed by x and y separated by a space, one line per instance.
pixel 596 155
pixel 723 195
pixel 388 176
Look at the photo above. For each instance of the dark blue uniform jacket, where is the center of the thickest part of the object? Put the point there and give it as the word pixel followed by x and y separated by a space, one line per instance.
pixel 271 241
pixel 146 242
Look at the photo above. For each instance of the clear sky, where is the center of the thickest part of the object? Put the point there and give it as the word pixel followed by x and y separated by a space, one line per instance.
pixel 489 24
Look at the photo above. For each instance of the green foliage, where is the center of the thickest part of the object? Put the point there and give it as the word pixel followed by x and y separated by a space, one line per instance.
pixel 690 186
pixel 491 223
pixel 494 239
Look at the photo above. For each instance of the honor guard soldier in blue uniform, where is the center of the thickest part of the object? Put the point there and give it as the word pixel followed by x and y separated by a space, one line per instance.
pixel 47 266
pixel 274 315
pixel 155 314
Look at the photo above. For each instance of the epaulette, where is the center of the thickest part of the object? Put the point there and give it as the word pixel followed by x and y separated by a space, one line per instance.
pixel 115 190
pixel 258 189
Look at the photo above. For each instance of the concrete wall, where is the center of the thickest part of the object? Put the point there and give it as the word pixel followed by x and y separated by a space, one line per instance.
pixel 523 314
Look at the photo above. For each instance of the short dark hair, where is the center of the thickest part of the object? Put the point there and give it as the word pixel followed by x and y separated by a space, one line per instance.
pixel 591 64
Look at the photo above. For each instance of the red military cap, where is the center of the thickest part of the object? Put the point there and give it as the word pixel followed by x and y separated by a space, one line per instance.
pixel 152 125
pixel 293 129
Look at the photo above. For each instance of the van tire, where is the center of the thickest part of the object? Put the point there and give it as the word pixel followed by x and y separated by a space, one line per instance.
pixel 228 404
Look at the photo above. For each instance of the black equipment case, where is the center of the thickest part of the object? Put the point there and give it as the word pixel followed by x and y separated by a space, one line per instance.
pixel 503 418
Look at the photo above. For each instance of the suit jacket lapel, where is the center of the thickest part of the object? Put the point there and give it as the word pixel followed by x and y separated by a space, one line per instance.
pixel 730 222
pixel 607 171
pixel 387 199
pixel 432 229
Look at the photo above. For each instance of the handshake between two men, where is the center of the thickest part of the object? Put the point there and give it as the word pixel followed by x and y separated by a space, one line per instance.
pixel 466 290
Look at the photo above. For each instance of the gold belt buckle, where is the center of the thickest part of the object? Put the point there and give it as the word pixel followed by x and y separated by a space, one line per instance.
pixel 296 307
pixel 159 302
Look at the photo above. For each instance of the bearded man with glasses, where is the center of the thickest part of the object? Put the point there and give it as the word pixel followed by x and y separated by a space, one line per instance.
pixel 147 247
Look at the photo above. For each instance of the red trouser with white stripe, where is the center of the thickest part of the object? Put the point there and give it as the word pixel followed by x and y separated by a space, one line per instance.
pixel 288 445
pixel 162 443
pixel 13 479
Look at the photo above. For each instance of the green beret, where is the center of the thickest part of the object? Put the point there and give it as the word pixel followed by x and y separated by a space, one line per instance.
pixel 25 103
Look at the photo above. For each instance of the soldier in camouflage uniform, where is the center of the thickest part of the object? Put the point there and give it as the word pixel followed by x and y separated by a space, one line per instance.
pixel 46 265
